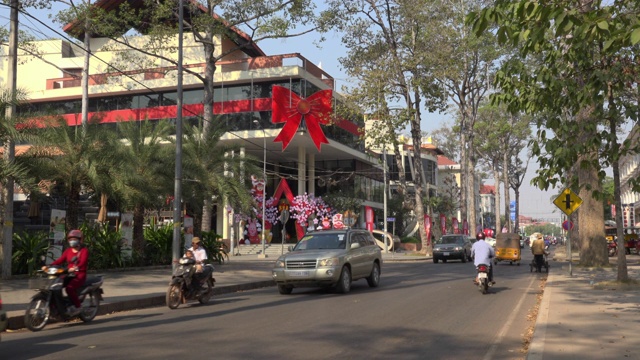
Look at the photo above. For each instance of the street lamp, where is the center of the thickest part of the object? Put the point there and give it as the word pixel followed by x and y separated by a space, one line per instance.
pixel 264 190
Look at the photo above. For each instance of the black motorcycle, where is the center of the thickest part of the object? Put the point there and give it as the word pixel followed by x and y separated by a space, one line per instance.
pixel 49 302
pixel 187 284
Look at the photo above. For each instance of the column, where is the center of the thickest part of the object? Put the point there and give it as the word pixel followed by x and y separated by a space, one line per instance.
pixel 302 170
pixel 311 172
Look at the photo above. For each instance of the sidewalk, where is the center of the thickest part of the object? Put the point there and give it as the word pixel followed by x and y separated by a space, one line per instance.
pixel 140 288
pixel 585 315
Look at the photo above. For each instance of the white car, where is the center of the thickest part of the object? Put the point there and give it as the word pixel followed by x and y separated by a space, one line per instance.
pixel 490 241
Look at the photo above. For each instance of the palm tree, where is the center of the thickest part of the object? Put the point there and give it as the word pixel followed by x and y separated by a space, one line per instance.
pixel 145 171
pixel 76 158
pixel 211 172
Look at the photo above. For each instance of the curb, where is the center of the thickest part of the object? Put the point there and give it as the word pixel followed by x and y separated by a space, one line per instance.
pixel 17 322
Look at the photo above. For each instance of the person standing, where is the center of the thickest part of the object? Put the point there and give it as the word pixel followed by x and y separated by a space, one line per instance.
pixel 538 251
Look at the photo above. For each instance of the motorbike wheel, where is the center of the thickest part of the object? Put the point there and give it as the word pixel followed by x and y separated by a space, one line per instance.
pixel 612 252
pixel 204 298
pixel 174 296
pixel 484 286
pixel 90 307
pixel 37 314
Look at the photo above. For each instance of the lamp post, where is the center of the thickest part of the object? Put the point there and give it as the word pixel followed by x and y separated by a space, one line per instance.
pixel 264 190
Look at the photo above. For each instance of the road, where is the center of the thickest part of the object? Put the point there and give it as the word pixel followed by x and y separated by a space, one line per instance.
pixel 421 310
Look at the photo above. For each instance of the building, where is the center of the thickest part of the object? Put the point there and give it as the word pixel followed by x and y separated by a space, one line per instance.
pixel 243 99
pixel 488 205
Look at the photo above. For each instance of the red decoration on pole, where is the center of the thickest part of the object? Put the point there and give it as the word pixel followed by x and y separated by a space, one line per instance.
pixel 455 226
pixel 443 224
pixel 288 107
pixel 427 227
pixel 465 227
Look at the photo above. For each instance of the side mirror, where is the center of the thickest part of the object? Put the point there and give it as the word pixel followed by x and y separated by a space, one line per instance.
pixel 355 246
pixel 290 248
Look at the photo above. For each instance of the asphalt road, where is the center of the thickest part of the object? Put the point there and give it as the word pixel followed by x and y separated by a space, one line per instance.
pixel 420 311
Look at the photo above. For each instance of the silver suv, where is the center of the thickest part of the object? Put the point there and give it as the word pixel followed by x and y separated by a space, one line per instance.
pixel 329 258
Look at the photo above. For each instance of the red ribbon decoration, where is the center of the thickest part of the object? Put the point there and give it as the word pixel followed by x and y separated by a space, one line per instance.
pixel 288 107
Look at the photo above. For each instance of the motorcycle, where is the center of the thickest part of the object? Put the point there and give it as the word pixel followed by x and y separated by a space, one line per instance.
pixel 187 284
pixel 612 248
pixel 482 279
pixel 49 302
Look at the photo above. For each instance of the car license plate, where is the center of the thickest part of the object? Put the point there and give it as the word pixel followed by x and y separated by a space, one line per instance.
pixel 299 273
pixel 482 275
pixel 445 254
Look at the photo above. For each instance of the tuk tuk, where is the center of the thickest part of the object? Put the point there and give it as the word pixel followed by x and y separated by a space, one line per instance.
pixel 508 248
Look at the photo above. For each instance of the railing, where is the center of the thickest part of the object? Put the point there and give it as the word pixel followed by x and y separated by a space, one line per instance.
pixel 261 62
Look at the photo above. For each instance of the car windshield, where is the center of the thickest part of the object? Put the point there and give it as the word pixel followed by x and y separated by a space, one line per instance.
pixel 322 241
pixel 449 240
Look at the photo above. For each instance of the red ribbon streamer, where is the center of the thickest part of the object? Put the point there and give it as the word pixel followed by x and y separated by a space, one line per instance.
pixel 288 107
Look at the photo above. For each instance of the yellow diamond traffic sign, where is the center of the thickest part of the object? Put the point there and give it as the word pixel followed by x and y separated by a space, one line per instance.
pixel 568 201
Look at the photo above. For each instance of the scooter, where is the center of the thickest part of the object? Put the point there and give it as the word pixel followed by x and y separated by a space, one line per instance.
pixel 187 284
pixel 612 248
pixel 49 302
pixel 482 279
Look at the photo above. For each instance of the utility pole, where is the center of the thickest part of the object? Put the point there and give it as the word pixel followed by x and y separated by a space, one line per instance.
pixel 9 146
pixel 177 195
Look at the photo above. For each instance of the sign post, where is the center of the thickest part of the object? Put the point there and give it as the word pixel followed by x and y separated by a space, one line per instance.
pixel 568 202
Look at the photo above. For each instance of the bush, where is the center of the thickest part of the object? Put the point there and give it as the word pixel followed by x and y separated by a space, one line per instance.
pixel 410 240
pixel 29 252
pixel 159 245
pixel 105 247
pixel 216 249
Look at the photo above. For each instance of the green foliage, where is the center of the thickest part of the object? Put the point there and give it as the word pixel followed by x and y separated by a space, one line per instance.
pixel 216 249
pixel 410 240
pixel 159 245
pixel 29 251
pixel 105 247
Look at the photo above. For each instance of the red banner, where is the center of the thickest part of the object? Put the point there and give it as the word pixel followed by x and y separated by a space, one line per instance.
pixel 443 224
pixel 427 228
pixel 465 227
pixel 368 216
pixel 454 224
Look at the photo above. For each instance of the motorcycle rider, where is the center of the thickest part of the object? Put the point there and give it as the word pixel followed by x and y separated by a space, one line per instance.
pixel 76 257
pixel 482 253
pixel 538 250
pixel 200 255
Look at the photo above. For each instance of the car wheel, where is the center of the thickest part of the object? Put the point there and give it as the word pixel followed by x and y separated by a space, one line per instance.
pixel 374 278
pixel 435 260
pixel 344 283
pixel 285 289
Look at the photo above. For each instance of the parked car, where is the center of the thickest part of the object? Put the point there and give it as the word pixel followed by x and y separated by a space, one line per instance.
pixel 4 320
pixel 455 246
pixel 393 241
pixel 329 258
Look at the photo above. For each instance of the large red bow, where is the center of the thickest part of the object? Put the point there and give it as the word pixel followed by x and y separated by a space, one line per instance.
pixel 288 107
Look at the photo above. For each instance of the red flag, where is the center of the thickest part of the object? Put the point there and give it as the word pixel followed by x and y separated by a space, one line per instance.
pixel 427 227
pixel 443 224
pixel 454 224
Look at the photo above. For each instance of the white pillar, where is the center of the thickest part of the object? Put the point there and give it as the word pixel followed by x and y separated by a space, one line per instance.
pixel 302 170
pixel 311 163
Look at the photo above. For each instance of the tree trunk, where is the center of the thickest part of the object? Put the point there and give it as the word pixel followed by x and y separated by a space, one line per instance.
pixel 207 116
pixel 71 221
pixel 507 195
pixel 496 176
pixel 138 230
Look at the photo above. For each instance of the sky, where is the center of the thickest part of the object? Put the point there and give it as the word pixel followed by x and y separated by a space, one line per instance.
pixel 533 202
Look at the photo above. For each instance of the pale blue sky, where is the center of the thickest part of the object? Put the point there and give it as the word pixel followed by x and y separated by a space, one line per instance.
pixel 534 203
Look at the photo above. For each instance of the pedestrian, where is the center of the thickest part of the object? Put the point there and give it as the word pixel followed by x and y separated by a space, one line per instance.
pixel 538 250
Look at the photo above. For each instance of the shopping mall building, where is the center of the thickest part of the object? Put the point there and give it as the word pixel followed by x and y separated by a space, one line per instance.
pixel 243 99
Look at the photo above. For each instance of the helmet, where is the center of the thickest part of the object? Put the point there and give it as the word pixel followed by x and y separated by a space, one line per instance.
pixel 480 235
pixel 75 234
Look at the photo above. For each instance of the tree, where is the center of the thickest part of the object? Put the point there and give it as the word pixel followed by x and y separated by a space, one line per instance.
pixel 585 55
pixel 388 50
pixel 143 170
pixel 210 23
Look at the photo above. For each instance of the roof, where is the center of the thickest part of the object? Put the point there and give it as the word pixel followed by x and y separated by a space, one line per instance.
pixel 445 161
pixel 488 189
pixel 251 49
pixel 429 147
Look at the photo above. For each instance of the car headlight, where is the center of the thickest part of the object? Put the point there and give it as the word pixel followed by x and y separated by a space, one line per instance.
pixel 329 262
pixel 279 263
pixel 457 248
